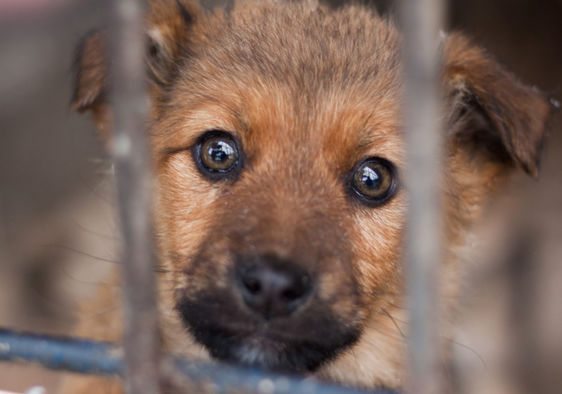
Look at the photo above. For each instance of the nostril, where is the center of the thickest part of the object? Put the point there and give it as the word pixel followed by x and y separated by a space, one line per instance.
pixel 291 295
pixel 297 289
pixel 251 284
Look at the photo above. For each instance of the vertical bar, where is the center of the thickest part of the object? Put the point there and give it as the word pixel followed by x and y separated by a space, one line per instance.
pixel 420 20
pixel 133 170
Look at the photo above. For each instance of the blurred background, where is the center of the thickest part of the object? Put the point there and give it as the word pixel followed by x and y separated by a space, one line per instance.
pixel 58 238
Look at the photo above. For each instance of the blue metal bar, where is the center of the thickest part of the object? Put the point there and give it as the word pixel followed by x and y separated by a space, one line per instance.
pixel 101 358
pixel 70 354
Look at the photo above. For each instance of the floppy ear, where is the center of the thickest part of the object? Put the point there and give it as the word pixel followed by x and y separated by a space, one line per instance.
pixel 491 114
pixel 167 28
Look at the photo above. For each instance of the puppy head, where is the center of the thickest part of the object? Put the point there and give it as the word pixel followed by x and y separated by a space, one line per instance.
pixel 277 151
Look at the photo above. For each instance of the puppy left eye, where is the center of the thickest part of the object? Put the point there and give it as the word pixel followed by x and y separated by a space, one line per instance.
pixel 216 154
pixel 374 181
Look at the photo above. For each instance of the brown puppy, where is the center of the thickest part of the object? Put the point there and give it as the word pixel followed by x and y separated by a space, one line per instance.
pixel 277 151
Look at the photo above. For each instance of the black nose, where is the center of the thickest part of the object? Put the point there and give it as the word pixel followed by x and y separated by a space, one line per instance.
pixel 272 287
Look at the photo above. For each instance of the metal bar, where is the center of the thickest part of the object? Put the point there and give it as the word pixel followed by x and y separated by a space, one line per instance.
pixel 420 21
pixel 102 358
pixel 59 353
pixel 133 170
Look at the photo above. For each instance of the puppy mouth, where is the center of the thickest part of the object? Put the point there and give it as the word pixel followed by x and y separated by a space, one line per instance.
pixel 267 351
pixel 299 344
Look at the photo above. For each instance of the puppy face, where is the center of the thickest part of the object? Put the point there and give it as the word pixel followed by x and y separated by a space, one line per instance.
pixel 277 151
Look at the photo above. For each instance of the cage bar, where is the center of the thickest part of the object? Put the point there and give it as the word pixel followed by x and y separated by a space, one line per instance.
pixel 420 21
pixel 133 174
pixel 102 358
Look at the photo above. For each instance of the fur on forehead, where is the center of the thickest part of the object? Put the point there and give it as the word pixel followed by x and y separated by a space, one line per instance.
pixel 341 74
pixel 292 43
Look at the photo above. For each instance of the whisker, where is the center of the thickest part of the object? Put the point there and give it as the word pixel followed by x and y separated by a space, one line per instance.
pixel 80 252
pixel 97 314
pixel 97 233
pixel 470 349
pixel 383 310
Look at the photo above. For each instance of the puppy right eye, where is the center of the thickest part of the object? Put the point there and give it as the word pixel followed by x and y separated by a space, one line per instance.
pixel 373 181
pixel 217 155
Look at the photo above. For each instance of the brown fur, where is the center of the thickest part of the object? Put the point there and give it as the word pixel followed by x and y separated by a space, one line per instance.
pixel 309 92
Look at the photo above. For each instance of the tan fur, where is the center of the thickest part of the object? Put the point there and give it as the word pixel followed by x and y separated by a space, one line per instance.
pixel 309 92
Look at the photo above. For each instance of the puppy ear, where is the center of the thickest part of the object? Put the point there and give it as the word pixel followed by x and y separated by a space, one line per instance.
pixel 489 112
pixel 91 72
pixel 168 25
pixel 167 28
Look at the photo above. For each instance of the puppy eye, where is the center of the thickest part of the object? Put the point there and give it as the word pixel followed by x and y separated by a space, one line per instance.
pixel 373 181
pixel 216 154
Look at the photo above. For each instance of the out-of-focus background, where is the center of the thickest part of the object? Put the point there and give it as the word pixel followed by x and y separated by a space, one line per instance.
pixel 57 235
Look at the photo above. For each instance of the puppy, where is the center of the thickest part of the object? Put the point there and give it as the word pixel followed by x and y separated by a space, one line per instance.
pixel 277 152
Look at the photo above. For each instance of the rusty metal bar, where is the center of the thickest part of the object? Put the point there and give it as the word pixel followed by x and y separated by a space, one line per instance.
pixel 420 21
pixel 133 171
